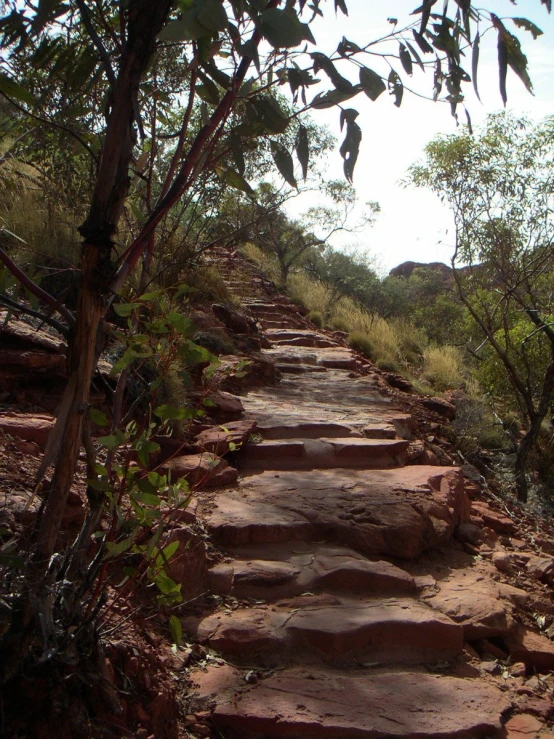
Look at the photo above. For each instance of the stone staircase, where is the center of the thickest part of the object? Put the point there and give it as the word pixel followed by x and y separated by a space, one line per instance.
pixel 344 606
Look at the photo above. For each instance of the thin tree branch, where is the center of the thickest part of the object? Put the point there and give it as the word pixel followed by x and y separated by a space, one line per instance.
pixel 97 41
pixel 9 303
pixel 33 288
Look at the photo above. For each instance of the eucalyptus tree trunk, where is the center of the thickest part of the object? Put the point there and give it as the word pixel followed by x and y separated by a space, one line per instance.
pixel 144 19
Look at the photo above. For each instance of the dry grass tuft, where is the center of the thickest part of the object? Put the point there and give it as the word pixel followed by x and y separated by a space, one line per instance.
pixel 443 367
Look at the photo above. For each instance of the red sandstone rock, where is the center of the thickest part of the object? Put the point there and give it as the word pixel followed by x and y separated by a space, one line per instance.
pixel 220 439
pixel 396 512
pixel 13 362
pixel 188 566
pixel 523 726
pixel 474 600
pixel 393 630
pixel 440 406
pixel 226 406
pixel 20 335
pixel 202 471
pixel 324 704
pixel 535 650
pixel 496 521
pixel 27 426
pixel 541 568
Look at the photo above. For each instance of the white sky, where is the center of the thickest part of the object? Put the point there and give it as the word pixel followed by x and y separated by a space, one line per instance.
pixel 413 225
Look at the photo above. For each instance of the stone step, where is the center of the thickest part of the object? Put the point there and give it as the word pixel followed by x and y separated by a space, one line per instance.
pixel 323 703
pixel 346 630
pixel 281 334
pixel 379 431
pixel 299 369
pixel 323 453
pixel 306 430
pixel 396 513
pixel 290 356
pixel 277 571
pixel 285 324
pixel 310 341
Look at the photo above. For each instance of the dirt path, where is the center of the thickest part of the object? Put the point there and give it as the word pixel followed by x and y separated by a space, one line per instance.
pixel 348 608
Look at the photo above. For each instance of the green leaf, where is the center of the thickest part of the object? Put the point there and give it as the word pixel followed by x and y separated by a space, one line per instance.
pixel 238 153
pixel 347 115
pixel 12 90
pixel 341 5
pixel 502 66
pixel 186 29
pixel 147 499
pixel 282 28
pixel 534 30
pixel 284 163
pixel 179 323
pixel 115 548
pixel 303 150
pixel 333 97
pixel 99 418
pixel 174 413
pixel 406 60
pixel 212 15
pixel 267 111
pixel 125 309
pixel 167 553
pixel 350 148
pixel 112 441
pixel 321 61
pixel 148 297
pixel 208 92
pixel 234 179
pixel 166 585
pixel 145 486
pixel 422 42
pixel 416 56
pixel 371 83
pixel 475 63
pixel 396 88
pixel 176 630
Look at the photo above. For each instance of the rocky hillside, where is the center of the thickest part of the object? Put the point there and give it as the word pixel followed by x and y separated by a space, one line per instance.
pixel 344 577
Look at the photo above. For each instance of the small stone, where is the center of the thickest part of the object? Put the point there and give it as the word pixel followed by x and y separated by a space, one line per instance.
pixel 518 669
pixel 492 668
pixel 502 561
pixel 523 725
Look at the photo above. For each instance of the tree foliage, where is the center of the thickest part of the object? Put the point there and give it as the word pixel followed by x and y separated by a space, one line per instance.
pixel 499 185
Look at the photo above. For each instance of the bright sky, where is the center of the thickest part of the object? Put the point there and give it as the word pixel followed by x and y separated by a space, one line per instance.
pixel 413 225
